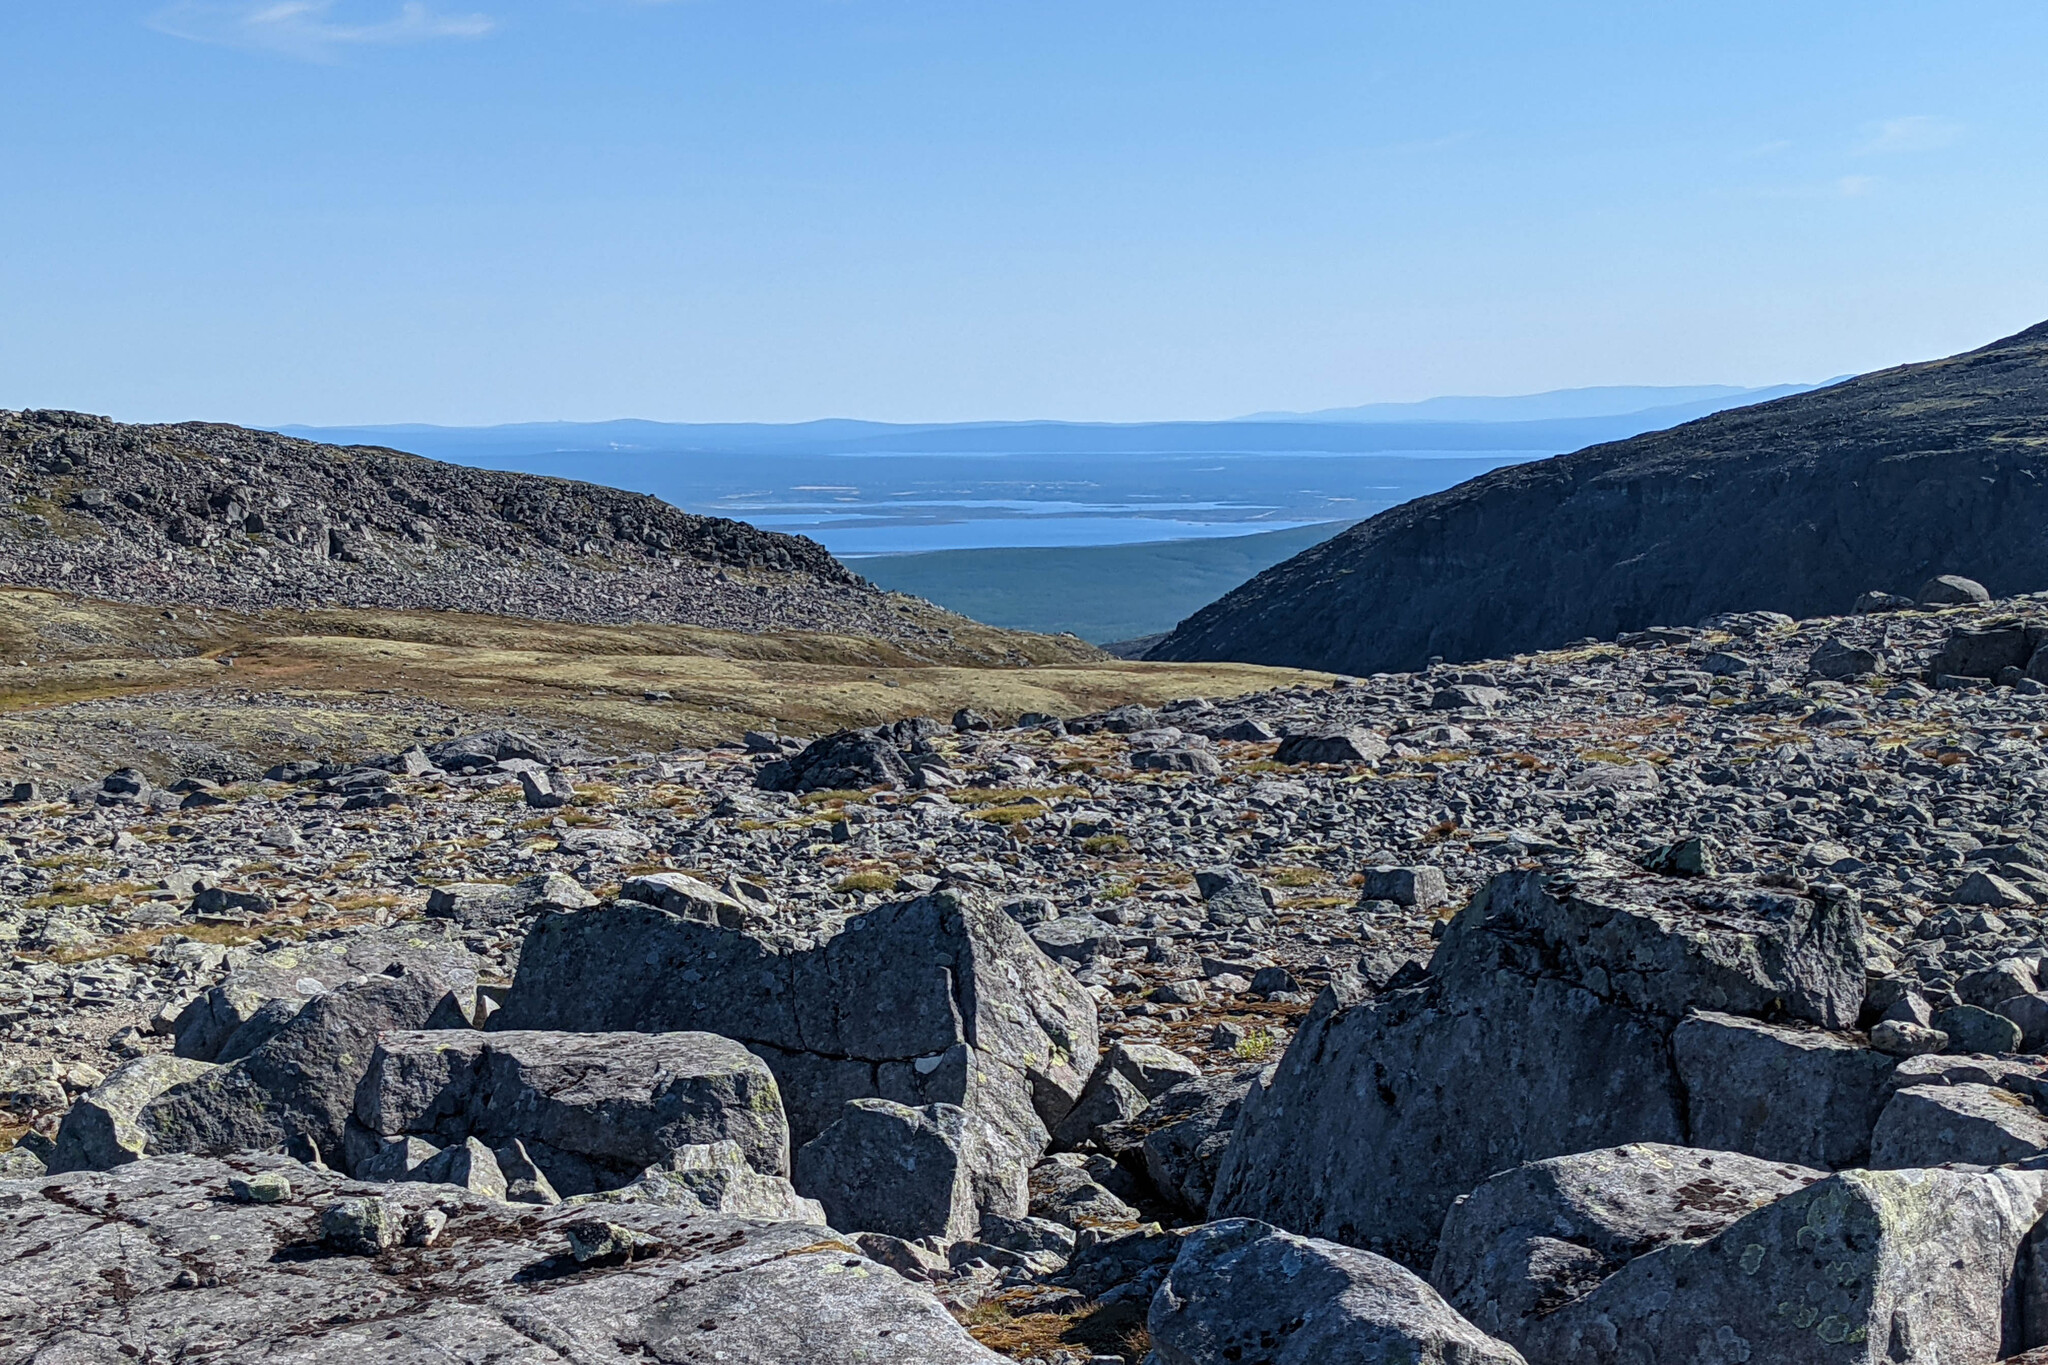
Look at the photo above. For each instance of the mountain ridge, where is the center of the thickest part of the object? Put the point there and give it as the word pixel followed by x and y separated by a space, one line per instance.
pixel 214 515
pixel 1606 400
pixel 1796 505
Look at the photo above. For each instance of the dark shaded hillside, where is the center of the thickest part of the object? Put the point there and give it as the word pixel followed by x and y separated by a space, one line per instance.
pixel 210 514
pixel 1795 505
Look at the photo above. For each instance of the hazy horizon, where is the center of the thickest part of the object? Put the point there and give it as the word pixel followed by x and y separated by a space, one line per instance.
pixel 1604 400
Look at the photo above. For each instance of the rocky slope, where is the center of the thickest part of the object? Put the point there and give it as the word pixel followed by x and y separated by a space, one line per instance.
pixel 211 515
pixel 1571 1009
pixel 1796 505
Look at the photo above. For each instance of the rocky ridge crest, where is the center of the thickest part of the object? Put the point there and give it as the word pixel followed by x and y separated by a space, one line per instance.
pixel 206 514
pixel 1794 505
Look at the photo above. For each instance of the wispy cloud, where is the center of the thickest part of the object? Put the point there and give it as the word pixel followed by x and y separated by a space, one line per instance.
pixel 312 30
pixel 1856 186
pixel 1764 149
pixel 1917 133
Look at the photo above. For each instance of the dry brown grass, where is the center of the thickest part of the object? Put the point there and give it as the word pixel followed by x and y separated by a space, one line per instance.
pixel 71 895
pixel 1010 815
pixel 334 666
pixel 139 943
pixel 1117 1330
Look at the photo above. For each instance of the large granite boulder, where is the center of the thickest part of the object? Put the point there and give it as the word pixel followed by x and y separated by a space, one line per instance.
pixel 594 1110
pixel 297 1090
pixel 854 760
pixel 1933 1125
pixel 162 1260
pixel 1861 1268
pixel 937 1000
pixel 490 905
pixel 286 977
pixel 1181 1137
pixel 933 1171
pixel 1786 1094
pixel 1544 1028
pixel 1533 1239
pixel 1243 1293
pixel 100 1130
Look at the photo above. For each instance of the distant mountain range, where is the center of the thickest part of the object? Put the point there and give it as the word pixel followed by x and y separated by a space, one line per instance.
pixel 1669 404
pixel 1544 421
pixel 1796 505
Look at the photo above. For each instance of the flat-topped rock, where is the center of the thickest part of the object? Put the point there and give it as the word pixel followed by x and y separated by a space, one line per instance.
pixel 940 999
pixel 162 1260
pixel 594 1110
pixel 1535 1238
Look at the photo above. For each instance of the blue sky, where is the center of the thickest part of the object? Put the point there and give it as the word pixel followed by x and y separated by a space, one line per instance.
pixel 469 211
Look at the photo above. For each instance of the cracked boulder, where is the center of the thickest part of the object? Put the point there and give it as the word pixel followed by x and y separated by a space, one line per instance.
pixel 1533 1239
pixel 1865 1266
pixel 1932 1125
pixel 1784 1094
pixel 937 1000
pixel 935 1171
pixel 286 977
pixel 593 1110
pixel 1241 1291
pixel 296 1091
pixel 158 1261
pixel 1544 1027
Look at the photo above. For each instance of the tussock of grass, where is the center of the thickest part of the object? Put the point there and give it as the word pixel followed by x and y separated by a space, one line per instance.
pixel 77 894
pixel 1256 1046
pixel 865 881
pixel 1010 815
pixel 837 797
pixel 1116 1330
pixel 1297 876
pixel 68 861
pixel 347 904
pixel 141 942
pixel 1105 843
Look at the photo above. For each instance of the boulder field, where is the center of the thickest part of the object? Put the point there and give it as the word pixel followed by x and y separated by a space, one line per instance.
pixel 1671 999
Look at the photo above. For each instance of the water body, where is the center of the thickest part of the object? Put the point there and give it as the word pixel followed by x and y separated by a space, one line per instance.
pixel 881 503
pixel 877 488
pixel 1015 521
